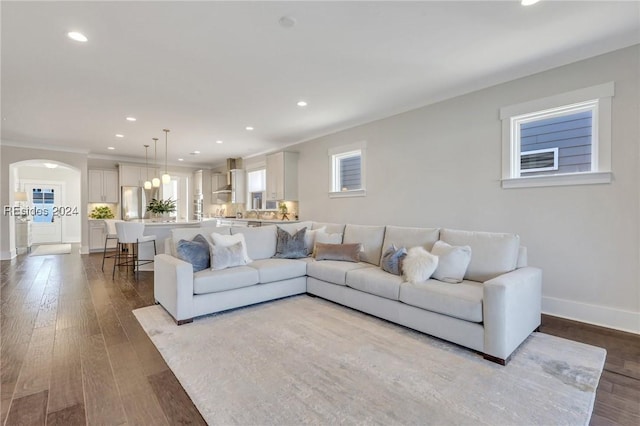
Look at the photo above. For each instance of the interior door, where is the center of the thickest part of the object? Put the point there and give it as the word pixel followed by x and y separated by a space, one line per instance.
pixel 46 227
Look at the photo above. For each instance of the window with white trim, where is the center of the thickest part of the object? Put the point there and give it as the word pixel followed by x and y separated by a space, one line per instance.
pixel 256 189
pixel 347 171
pixel 560 140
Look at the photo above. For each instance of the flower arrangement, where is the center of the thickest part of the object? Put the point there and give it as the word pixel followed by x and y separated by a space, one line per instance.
pixel 102 212
pixel 161 206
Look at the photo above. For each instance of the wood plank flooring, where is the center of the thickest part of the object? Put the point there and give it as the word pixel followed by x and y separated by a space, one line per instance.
pixel 73 353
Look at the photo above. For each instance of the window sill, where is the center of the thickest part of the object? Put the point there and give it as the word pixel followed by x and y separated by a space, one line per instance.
pixel 588 178
pixel 346 194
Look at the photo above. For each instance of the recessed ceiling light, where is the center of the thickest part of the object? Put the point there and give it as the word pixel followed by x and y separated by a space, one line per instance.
pixel 218 141
pixel 131 119
pixel 50 165
pixel 287 22
pixel 302 104
pixel 118 135
pixel 249 128
pixel 74 35
pixel 180 159
pixel 110 148
pixel 529 2
pixel 196 152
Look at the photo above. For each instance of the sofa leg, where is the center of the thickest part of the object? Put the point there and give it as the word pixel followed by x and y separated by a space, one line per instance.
pixel 185 321
pixel 495 359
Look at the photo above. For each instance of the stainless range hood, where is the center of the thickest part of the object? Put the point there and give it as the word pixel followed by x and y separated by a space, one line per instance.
pixel 235 181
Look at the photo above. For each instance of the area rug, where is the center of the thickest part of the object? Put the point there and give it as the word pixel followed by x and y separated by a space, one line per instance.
pixel 307 360
pixel 47 249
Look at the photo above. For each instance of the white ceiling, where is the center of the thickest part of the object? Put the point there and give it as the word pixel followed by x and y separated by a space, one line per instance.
pixel 205 70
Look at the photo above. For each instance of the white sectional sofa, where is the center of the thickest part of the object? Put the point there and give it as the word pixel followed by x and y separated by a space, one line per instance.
pixel 492 310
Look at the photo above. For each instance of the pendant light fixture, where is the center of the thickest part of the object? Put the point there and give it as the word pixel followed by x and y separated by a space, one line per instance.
pixel 165 177
pixel 155 181
pixel 147 182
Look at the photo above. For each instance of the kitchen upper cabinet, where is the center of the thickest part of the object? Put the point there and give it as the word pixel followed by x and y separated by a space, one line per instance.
pixel 103 186
pixel 238 187
pixel 136 175
pixel 282 176
pixel 197 182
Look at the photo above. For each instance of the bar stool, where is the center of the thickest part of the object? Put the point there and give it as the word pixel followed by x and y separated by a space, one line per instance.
pixel 131 233
pixel 110 229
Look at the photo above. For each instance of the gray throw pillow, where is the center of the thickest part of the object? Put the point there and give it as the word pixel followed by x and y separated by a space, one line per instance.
pixel 291 246
pixel 226 257
pixel 392 260
pixel 196 252
pixel 344 252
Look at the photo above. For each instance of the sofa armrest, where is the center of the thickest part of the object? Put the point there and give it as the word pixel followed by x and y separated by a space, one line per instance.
pixel 511 310
pixel 173 286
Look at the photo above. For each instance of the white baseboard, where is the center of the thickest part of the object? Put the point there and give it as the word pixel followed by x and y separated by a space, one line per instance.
pixel 7 254
pixel 603 316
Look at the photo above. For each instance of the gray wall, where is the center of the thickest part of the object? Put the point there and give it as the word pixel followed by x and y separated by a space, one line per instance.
pixel 440 165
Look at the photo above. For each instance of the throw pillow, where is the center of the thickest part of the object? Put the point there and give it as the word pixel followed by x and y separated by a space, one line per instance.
pixel 223 257
pixel 325 238
pixel 229 240
pixel 419 265
pixel 343 252
pixel 453 262
pixel 310 238
pixel 196 252
pixel 291 246
pixel 392 260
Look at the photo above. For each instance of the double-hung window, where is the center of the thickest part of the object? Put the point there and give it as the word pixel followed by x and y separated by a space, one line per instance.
pixel 560 140
pixel 347 171
pixel 256 189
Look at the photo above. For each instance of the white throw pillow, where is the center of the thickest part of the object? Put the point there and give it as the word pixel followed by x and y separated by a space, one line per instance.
pixel 310 238
pixel 453 262
pixel 229 240
pixel 419 265
pixel 324 238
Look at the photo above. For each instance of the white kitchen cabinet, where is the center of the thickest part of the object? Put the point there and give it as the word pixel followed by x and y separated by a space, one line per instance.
pixel 136 175
pixel 97 235
pixel 103 186
pixel 282 176
pixel 237 186
pixel 197 182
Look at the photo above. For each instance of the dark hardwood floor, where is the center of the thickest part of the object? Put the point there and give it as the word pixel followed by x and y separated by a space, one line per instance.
pixel 73 353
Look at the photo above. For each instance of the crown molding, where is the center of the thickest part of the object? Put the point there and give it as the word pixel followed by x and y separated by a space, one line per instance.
pixel 45 147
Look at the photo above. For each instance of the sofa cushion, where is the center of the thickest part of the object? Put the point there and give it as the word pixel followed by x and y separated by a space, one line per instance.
pixel 453 262
pixel 330 228
pixel 492 253
pixel 462 300
pixel 223 257
pixel 370 237
pixel 401 236
pixel 270 270
pixel 333 271
pixel 196 252
pixel 392 258
pixel 292 228
pixel 214 281
pixel 375 281
pixel 290 246
pixel 229 240
pixel 178 234
pixel 418 265
pixel 343 252
pixel 261 240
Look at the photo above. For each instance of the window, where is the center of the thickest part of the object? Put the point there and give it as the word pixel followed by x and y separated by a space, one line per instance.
pixel 256 189
pixel 347 171
pixel 561 140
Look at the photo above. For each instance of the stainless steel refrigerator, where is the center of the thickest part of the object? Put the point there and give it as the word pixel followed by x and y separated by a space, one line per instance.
pixel 132 203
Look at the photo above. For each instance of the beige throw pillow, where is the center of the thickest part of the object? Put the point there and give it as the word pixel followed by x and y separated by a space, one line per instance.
pixel 229 240
pixel 453 262
pixel 343 252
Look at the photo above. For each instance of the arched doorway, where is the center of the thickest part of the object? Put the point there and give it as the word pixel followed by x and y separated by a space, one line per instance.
pixel 48 193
